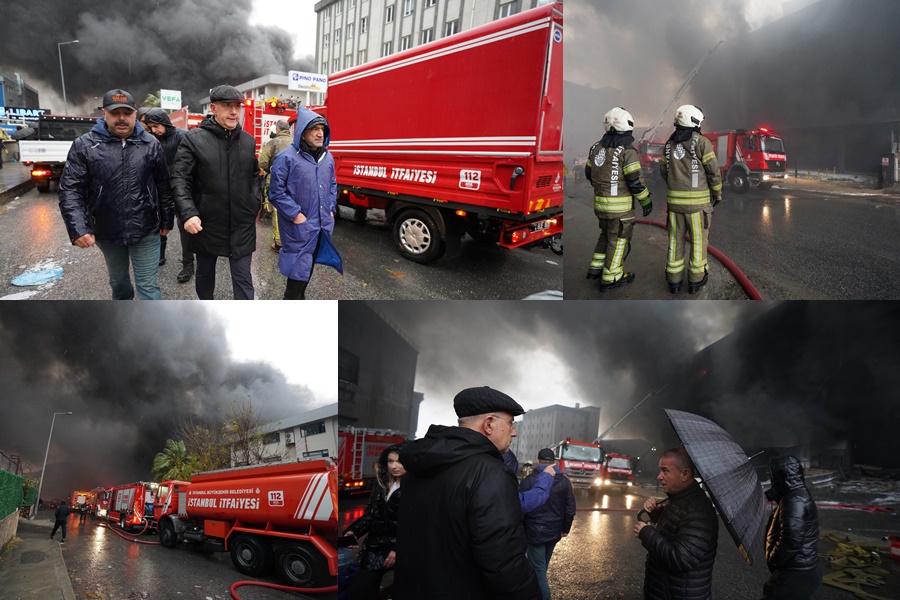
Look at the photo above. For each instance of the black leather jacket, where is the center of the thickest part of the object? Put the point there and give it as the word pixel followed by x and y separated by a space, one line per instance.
pixel 794 526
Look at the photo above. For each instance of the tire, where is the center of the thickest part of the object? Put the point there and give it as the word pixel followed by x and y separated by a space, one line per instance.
pixel 416 237
pixel 738 181
pixel 122 524
pixel 250 555
pixel 766 185
pixel 167 536
pixel 299 566
pixel 43 188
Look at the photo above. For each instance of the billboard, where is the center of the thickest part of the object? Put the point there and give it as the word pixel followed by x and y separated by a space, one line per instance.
pixel 307 82
pixel 170 99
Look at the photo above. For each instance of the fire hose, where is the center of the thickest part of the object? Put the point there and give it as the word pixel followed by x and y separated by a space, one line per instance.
pixel 732 268
pixel 284 588
pixel 128 537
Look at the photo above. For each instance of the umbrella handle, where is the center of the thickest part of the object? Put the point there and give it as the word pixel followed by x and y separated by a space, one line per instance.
pixel 643 513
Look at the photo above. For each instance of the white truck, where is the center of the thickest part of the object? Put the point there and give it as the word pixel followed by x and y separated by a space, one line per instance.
pixel 47 154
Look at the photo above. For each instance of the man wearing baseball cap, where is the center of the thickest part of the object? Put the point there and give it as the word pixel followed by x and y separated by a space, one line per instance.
pixel 215 187
pixel 460 534
pixel 114 192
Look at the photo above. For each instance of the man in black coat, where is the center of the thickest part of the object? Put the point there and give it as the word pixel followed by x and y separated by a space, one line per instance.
pixel 61 516
pixel 460 534
pixel 681 543
pixel 170 137
pixel 215 183
pixel 114 192
pixel 792 534
pixel 546 525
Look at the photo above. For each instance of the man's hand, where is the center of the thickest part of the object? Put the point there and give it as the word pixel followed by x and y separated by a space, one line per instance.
pixel 300 218
pixel 637 528
pixel 550 469
pixel 85 241
pixel 352 536
pixel 192 225
pixel 164 232
pixel 651 504
pixel 389 561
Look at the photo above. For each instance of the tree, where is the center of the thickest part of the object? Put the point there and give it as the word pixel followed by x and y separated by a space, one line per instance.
pixel 151 101
pixel 173 462
pixel 243 430
pixel 207 449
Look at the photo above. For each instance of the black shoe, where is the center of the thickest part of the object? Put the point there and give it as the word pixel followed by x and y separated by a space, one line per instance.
pixel 694 286
pixel 162 260
pixel 594 273
pixel 625 280
pixel 674 288
pixel 187 271
pixel 62 541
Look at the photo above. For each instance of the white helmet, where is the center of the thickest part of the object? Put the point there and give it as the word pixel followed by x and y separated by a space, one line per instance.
pixel 618 119
pixel 688 115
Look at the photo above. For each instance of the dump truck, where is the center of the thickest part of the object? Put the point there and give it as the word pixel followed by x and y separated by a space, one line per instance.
pixel 46 155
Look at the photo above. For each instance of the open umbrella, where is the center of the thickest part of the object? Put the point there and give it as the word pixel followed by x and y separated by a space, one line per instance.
pixel 22 134
pixel 728 475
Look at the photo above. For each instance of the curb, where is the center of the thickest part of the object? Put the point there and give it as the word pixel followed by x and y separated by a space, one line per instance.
pixel 16 190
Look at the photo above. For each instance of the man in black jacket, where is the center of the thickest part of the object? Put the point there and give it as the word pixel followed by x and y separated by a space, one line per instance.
pixel 61 516
pixel 460 534
pixel 792 534
pixel 214 183
pixel 114 192
pixel 170 137
pixel 681 543
pixel 546 525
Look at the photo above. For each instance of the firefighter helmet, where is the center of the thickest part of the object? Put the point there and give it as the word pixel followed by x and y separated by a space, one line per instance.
pixel 618 119
pixel 688 115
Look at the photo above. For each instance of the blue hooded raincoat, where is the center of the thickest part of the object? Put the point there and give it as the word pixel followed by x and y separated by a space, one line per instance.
pixel 300 184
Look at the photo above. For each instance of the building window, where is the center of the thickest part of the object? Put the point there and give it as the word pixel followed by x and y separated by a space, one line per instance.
pixel 389 14
pixel 430 3
pixel 325 39
pixel 348 61
pixel 324 68
pixel 271 438
pixel 337 37
pixel 387 49
pixel 351 4
pixel 408 7
pixel 451 28
pixel 327 12
pixel 345 395
pixel 361 57
pixel 406 42
pixel 338 7
pixel 312 429
pixel 349 31
pixel 364 25
pixel 428 35
pixel 510 8
pixel 348 363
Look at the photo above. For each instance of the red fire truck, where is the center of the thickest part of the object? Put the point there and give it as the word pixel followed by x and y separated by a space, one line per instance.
pixel 78 499
pixel 749 158
pixel 461 135
pixel 100 497
pixel 617 468
pixel 281 514
pixel 582 462
pixel 131 505
pixel 358 451
pixel 650 154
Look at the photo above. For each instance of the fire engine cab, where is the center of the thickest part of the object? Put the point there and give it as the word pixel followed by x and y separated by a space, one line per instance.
pixel 749 158
pixel 582 463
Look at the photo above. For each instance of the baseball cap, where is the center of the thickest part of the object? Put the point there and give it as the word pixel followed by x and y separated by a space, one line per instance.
pixel 546 455
pixel 483 400
pixel 225 93
pixel 117 98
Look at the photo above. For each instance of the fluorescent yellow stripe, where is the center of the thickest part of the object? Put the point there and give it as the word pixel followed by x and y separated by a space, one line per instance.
pixel 696 241
pixel 716 187
pixel 642 195
pixel 672 265
pixel 708 156
pixel 631 168
pixel 612 204
pixel 688 193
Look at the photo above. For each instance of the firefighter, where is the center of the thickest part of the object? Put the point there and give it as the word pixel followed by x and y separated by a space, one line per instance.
pixel 691 173
pixel 274 146
pixel 614 169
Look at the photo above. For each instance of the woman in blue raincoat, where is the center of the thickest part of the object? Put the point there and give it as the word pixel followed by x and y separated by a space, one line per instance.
pixel 303 189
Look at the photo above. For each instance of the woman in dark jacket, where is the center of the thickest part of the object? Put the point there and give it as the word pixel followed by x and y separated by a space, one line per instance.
pixel 792 534
pixel 380 523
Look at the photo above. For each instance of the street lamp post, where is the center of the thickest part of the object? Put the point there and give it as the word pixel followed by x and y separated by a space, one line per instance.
pixel 41 484
pixel 61 75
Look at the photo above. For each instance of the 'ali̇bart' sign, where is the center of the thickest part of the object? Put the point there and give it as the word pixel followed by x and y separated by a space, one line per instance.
pixel 170 99
pixel 23 114
pixel 307 82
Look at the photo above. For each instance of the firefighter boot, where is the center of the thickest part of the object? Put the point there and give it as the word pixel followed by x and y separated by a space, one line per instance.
pixel 674 288
pixel 594 273
pixel 694 286
pixel 624 280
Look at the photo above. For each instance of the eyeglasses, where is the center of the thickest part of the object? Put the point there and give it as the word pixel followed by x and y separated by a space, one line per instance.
pixel 512 422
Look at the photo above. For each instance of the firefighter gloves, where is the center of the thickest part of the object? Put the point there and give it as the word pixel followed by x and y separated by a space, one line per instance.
pixel 648 208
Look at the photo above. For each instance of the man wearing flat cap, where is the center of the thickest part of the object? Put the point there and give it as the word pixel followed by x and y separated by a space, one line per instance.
pixel 214 183
pixel 114 192
pixel 460 533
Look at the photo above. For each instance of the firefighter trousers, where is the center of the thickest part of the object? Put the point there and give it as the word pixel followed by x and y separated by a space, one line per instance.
pixel 697 224
pixel 613 245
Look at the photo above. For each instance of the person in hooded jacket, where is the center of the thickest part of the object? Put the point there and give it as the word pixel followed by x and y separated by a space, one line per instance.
pixel 303 189
pixel 545 526
pixel 460 529
pixel 215 183
pixel 170 137
pixel 379 525
pixel 114 192
pixel 62 516
pixel 793 532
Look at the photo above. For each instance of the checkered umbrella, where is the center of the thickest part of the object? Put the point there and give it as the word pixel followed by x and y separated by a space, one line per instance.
pixel 728 476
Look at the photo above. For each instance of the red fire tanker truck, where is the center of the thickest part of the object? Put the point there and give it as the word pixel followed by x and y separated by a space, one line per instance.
pixel 617 468
pixel 283 514
pixel 461 135
pixel 358 450
pixel 582 462
pixel 749 158
pixel 131 505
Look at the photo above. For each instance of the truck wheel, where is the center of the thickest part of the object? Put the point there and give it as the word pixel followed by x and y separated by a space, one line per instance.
pixel 417 238
pixel 122 524
pixel 167 536
pixel 43 188
pixel 738 181
pixel 250 555
pixel 301 567
pixel 766 185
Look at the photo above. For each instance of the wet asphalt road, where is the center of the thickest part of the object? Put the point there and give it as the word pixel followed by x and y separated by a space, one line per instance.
pixel 793 244
pixel 601 558
pixel 103 566
pixel 34 237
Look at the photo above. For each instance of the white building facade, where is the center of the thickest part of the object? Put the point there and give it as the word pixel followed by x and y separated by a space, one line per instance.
pixel 308 436
pixel 543 427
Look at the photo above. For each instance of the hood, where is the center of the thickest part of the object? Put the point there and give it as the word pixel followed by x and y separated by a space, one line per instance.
pixel 160 117
pixel 786 473
pixel 616 138
pixel 304 117
pixel 443 447
pixel 683 134
pixel 100 129
pixel 209 122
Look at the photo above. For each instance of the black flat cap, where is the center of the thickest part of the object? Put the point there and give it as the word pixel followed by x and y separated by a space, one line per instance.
pixel 483 400
pixel 546 455
pixel 225 93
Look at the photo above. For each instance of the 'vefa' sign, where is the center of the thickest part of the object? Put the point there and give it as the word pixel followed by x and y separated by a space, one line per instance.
pixel 307 82
pixel 170 99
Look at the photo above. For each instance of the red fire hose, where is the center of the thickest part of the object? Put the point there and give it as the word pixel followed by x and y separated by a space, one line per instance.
pixel 128 536
pixel 284 588
pixel 732 268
